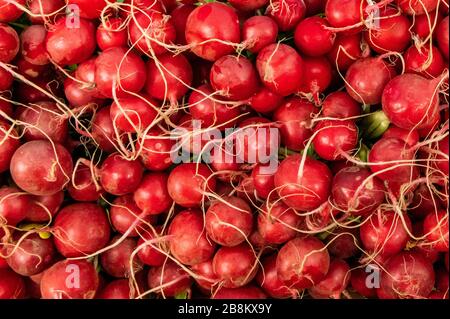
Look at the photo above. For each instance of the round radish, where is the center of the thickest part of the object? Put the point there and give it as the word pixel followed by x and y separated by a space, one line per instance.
pixel 169 279
pixel 345 14
pixel 44 11
pixel 423 62
pixel 286 13
pixel 44 208
pixel 103 133
pixel 246 292
pixel 9 43
pixel 89 9
pixel 9 144
pixel 14 206
pixel 83 188
pixel 334 283
pixel 245 5
pixel 265 101
pixel 410 137
pixel 346 50
pixel 152 194
pixel 263 180
pixel 111 34
pixel 32 41
pixel 258 32
pixel 10 12
pixel 179 18
pixel 156 151
pixel 124 213
pixel 340 105
pixel 12 286
pixel 312 38
pixel 417 7
pixel 147 253
pixel 317 76
pixel 117 261
pixel 267 278
pixel 442 37
pixel 435 229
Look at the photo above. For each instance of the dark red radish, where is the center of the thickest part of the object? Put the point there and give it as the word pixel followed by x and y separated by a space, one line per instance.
pixel 9 43
pixel 391 32
pixel 317 76
pixel 417 7
pixel 30 94
pixel 67 45
pixel 111 33
pixel 314 7
pixel 156 150
pixel 334 283
pixel 9 143
pixel 32 41
pixel 203 32
pixel 332 138
pixel 12 286
pixel 245 292
pixel 265 101
pixel 410 137
pixel 424 201
pixel 204 106
pixel 44 208
pixel 9 11
pixel 189 183
pixel 43 121
pixel 303 185
pixel 29 255
pixel 80 229
pixel 117 261
pixel 442 37
pixel 359 279
pixel 6 81
pixel 152 195
pixel 263 180
pixel 245 5
pixel 133 113
pixel 37 176
pixel 343 243
pixel 119 176
pixel 302 262
pixel 205 277
pixel 346 50
pixel 339 104
pixel 423 62
pixel 229 221
pixel 435 230
pixel 119 70
pixel 407 275
pixel 313 38
pixel 117 289
pixel 124 213
pixel 147 252
pixel 70 279
pixel 355 191
pixel 267 278
pixel 83 187
pixel 286 13
pixel 277 223
pixel 89 9
pixel 235 266
pixel 366 79
pixel 169 279
pixel 410 101
pixel 421 27
pixel 14 205
pixel 188 241
pixel 44 11
pixel 234 77
pixel 280 68
pixel 170 78
pixel 258 32
pixel 346 15
pixel 179 18
pixel 441 281
pixel 103 133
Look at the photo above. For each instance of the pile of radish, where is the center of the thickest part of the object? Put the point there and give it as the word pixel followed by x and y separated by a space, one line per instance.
pixel 224 149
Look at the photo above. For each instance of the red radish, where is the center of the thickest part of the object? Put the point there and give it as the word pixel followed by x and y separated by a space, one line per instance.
pixel 9 43
pixel 343 243
pixel 229 222
pixel 189 243
pixel 302 262
pixel 89 9
pixel 85 72
pixel 334 137
pixel 169 78
pixel 263 180
pixel 407 275
pixel 124 213
pixel 169 279
pixel 179 18
pixel 32 71
pixel 83 188
pixel 317 76
pixel 224 160
pixel 31 255
pixel 286 13
pixel 206 278
pixel 435 229
pixel 188 183
pixel 424 201
pixel 359 279
pixel 117 289
pixel 421 27
pixel 14 205
pixel 267 278
pixel 417 7
pixel 265 101
pixel 117 261
pixel 32 41
pixel 423 62
pixel 152 194
pixel 346 50
pixel 44 208
pixel 340 105
pixel 345 14
pixel 280 68
pixel 246 189
pixel 5 106
pixel 156 151
pixel 355 191
pixel 384 233
pixel 204 107
pixel 409 137
pixel 277 223
pixel 10 12
pixel 133 113
pixel 70 279
pixel 44 11
pixel 303 185
pixel 366 79
pixel 334 283
pixel 144 5
pixel 119 70
pixel 442 37
pixel 67 45
pixel 37 176
pixel 103 132
pixel 235 266
pixel 312 38
pixel 111 34
pixel 81 94
pixel 203 30
pixel 234 77
pixel 81 228
pixel 9 144
pixel 147 253
pixel 258 32
pixel 391 32
pixel 6 81
pixel 245 5
pixel 12 286
pixel 43 121
pixel 246 292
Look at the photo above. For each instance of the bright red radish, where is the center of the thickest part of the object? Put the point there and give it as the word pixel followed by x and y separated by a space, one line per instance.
pixel 246 292
pixel 423 62
pixel 345 14
pixel 340 105
pixel 435 229
pixel 410 137
pixel 179 18
pixel 124 213
pixel 359 279
pixel 312 38
pixel 334 283
pixel 206 279
pixel 133 113
pixel 9 43
pixel 152 194
pixel 117 261
pixel 286 13
pixel 258 32
pixel 267 278
pixel 417 7
pixel 442 37
pixel 317 76
pixel 89 9
pixel 9 12
pixel 147 252
pixel 245 5
pixel 263 180
pixel 44 11
pixel 14 205
pixel 111 34
pixel 83 188
pixel 156 150
pixel 103 133
pixel 265 101
pixel 346 50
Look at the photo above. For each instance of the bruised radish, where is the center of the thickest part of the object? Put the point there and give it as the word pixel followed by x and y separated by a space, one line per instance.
pixel 312 38
pixel 286 13
pixel 258 32
pixel 118 261
pixel 267 278
pixel 169 279
pixel 334 283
